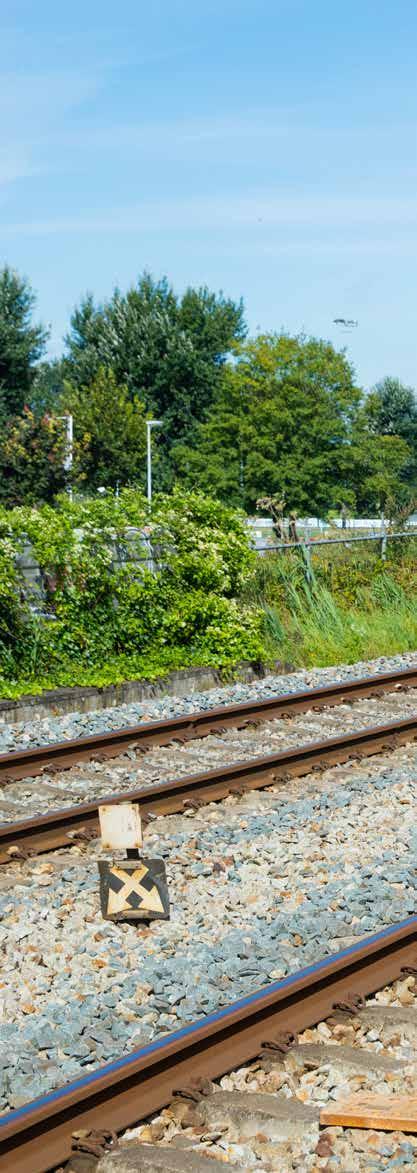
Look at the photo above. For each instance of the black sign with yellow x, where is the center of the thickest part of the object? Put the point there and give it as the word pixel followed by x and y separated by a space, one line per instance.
pixel 132 890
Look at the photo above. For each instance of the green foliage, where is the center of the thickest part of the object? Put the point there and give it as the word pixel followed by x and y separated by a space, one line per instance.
pixel 210 540
pixel 379 468
pixel 109 443
pixel 275 416
pixel 281 423
pixel 357 606
pixel 325 632
pixel 109 432
pixel 210 602
pixel 385 447
pixel 168 350
pixel 127 617
pixel 391 409
pixel 32 450
pixel 21 342
pixel 47 387
pixel 13 616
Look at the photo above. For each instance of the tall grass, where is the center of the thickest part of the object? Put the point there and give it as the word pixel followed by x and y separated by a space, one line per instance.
pixel 307 623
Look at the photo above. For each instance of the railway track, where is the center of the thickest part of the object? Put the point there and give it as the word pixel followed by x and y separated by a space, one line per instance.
pixel 28 763
pixel 37 1137
pixel 59 828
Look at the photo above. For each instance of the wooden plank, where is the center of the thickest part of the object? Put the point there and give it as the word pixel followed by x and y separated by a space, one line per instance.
pixel 120 826
pixel 366 1110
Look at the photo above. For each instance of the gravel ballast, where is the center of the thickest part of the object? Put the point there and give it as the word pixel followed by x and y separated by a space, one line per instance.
pixel 48 729
pixel 96 779
pixel 265 1116
pixel 259 887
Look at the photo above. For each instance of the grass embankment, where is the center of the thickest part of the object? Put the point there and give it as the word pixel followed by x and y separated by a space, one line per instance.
pixel 354 608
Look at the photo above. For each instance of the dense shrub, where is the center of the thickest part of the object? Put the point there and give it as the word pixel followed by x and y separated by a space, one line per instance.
pixel 13 614
pixel 102 620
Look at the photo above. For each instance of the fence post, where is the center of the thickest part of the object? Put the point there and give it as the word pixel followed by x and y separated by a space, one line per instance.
pixel 383 541
pixel 306 552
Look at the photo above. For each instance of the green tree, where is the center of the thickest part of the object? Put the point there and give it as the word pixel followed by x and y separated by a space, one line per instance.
pixel 391 410
pixel 109 432
pixel 21 342
pixel 47 386
pixel 384 448
pixel 281 422
pixel 32 452
pixel 380 465
pixel 168 350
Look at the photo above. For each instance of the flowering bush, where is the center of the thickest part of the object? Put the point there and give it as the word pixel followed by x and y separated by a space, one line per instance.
pixel 104 618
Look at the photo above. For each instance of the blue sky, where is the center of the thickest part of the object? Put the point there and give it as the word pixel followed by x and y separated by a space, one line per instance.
pixel 264 147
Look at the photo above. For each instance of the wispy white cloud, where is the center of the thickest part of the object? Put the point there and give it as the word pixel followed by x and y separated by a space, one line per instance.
pixel 32 108
pixel 255 129
pixel 259 212
pixel 14 164
pixel 37 111
pixel 41 98
pixel 158 136
pixel 360 245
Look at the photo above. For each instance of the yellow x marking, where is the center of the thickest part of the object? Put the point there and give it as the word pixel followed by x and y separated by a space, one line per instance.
pixel 132 883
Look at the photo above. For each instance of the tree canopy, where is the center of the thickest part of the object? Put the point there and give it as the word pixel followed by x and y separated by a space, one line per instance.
pixel 109 432
pixel 281 422
pixel 384 451
pixel 32 458
pixel 380 466
pixel 274 416
pixel 391 410
pixel 21 342
pixel 167 350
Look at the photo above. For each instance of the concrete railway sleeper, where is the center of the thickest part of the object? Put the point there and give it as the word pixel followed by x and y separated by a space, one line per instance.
pixel 259 1033
pixel 87 782
pixel 293 1107
pixel 59 828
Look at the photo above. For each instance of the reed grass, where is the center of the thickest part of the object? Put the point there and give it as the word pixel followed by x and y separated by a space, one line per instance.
pixel 308 623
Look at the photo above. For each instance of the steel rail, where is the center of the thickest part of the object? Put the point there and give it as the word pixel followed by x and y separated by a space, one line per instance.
pixel 28 763
pixel 37 1137
pixel 61 828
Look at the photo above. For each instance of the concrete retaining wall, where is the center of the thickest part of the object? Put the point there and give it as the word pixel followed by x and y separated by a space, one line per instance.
pixel 85 699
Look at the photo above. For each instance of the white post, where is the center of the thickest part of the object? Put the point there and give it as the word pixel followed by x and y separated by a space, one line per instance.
pixel 149 425
pixel 69 453
pixel 148 461
pixel 68 420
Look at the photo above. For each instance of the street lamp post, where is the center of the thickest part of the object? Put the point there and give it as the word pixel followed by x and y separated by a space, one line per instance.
pixel 68 420
pixel 149 425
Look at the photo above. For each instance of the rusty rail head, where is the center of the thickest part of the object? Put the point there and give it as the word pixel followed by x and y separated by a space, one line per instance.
pixel 60 828
pixel 64 754
pixel 37 1137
